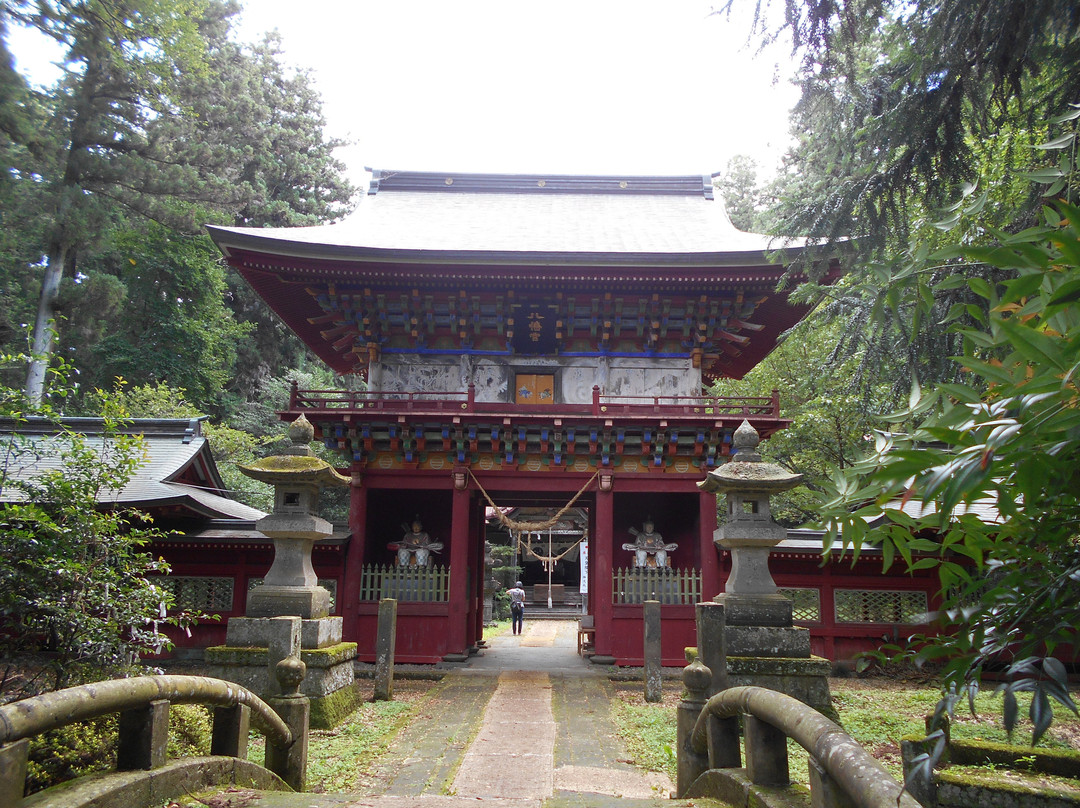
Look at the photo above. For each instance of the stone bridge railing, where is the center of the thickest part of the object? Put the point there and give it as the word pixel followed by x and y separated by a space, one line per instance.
pixel 143 776
pixel 842 773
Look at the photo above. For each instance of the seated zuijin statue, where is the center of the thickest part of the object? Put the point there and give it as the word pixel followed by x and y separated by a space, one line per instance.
pixel 649 547
pixel 415 547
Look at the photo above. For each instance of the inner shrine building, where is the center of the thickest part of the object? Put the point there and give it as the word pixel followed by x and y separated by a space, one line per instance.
pixel 528 342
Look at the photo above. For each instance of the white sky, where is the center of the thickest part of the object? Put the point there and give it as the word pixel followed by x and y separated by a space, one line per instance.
pixel 563 86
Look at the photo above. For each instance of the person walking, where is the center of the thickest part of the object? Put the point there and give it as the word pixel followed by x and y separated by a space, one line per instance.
pixel 517 607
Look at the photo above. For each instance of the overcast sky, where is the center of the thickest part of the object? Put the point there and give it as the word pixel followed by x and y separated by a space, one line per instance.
pixel 585 86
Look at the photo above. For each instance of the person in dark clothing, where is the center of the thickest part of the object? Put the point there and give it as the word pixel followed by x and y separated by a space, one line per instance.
pixel 517 607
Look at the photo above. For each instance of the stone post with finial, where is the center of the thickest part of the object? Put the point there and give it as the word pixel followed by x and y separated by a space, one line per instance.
pixel 291 588
pixel 290 762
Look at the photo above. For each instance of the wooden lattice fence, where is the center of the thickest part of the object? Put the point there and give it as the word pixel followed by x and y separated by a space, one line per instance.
pixel 416 584
pixel 667 585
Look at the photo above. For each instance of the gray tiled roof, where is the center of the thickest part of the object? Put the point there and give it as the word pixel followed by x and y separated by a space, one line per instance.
pixel 168 453
pixel 565 226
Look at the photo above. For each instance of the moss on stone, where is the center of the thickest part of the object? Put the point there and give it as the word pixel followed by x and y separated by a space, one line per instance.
pixel 329 656
pixel 313 657
pixel 330 710
pixel 778 666
pixel 1062 762
pixel 280 469
pixel 234 655
pixel 1021 795
pixel 288 463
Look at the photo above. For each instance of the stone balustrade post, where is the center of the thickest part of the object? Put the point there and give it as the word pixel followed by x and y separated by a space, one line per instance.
pixel 290 762
pixel 13 761
pixel 766 753
pixel 723 735
pixel 825 792
pixel 142 737
pixel 690 765
pixel 712 643
pixel 230 733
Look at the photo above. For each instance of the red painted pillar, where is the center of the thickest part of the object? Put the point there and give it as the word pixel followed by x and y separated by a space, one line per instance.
pixel 710 559
pixel 476 567
pixel 354 558
pixel 601 548
pixel 456 639
pixel 479 533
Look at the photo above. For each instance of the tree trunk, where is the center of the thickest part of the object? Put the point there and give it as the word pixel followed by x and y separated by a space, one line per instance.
pixel 44 324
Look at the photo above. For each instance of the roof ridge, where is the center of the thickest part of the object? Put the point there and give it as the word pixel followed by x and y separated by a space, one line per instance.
pixel 696 185
pixel 91 426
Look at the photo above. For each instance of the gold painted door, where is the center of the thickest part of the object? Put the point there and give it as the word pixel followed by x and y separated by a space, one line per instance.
pixel 534 389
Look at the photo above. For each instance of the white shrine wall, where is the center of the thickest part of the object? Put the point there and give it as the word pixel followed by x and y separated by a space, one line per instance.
pixel 494 376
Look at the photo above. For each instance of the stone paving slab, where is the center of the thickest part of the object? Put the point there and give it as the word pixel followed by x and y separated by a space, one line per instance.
pixel 585 730
pixel 535 733
pixel 560 800
pixel 513 754
pixel 425 755
pixel 286 800
pixel 612 782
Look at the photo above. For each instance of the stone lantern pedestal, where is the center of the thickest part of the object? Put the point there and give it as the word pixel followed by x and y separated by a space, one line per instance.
pixel 255 642
pixel 755 634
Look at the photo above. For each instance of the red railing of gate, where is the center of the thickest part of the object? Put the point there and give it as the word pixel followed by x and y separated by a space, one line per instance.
pixel 465 402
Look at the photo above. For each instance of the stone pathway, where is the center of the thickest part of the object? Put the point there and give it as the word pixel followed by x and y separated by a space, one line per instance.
pixel 534 733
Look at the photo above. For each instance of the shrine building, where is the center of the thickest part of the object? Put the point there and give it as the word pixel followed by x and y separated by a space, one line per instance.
pixel 537 345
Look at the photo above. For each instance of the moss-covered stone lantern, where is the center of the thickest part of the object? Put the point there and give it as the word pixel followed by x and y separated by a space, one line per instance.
pixel 291 586
pixel 288 614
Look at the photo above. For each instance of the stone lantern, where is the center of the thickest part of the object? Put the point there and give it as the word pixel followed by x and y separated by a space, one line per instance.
pixel 291 586
pixel 288 614
pixel 748 531
pixel 746 635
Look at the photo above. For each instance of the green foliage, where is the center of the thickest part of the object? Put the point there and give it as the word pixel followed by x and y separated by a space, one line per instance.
pixel 191 727
pixel 75 750
pixel 902 103
pixel 1004 442
pixel 745 200
pixel 900 100
pixel 168 320
pixel 68 752
pixel 121 163
pixel 648 732
pixel 830 419
pixel 76 596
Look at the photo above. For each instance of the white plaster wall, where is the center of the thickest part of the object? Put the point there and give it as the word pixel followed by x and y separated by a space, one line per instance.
pixel 632 377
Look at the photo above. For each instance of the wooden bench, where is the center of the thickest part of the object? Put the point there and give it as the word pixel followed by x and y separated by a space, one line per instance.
pixel 586 633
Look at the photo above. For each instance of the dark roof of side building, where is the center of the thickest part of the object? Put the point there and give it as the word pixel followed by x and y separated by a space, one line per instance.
pixel 178 470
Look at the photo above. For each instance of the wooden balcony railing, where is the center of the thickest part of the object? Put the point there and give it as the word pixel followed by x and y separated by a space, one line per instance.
pixel 376 402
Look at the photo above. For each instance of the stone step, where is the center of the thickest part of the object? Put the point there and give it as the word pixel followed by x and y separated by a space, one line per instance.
pixel 278 799
pixel 555 613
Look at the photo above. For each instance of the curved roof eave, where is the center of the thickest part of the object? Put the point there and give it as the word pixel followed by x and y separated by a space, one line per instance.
pixel 230 239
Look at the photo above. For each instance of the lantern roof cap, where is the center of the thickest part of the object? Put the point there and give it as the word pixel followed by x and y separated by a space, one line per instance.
pixel 747 472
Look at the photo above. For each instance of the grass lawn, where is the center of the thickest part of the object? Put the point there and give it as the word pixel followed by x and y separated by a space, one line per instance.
pixel 338 758
pixel 877 712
